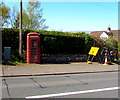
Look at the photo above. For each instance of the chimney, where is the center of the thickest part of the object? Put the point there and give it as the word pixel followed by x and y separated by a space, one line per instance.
pixel 109 29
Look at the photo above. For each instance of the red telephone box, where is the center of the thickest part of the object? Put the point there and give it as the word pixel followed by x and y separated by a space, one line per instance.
pixel 33 48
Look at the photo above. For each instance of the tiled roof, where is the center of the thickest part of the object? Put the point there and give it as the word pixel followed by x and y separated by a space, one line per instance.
pixel 98 33
pixel 114 33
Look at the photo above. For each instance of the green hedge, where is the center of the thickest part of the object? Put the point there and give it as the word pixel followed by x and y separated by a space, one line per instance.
pixel 63 45
pixel 10 38
pixel 52 42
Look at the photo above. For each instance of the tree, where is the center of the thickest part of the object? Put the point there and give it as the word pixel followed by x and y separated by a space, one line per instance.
pixel 25 21
pixel 4 15
pixel 98 41
pixel 119 47
pixel 13 17
pixel 111 43
pixel 31 17
pixel 35 16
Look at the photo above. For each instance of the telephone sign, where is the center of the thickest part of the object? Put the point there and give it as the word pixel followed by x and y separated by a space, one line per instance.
pixel 33 48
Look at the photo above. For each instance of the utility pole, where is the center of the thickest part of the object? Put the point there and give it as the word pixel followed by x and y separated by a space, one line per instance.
pixel 20 31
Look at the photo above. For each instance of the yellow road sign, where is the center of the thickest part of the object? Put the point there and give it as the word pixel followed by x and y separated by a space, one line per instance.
pixel 93 51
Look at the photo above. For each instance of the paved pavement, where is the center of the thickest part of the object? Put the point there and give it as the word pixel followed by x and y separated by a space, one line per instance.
pixel 55 69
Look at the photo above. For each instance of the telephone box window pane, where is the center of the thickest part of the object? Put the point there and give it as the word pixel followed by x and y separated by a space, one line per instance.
pixel 33 51
pixel 34 44
pixel 34 58
pixel 33 48
pixel 34 54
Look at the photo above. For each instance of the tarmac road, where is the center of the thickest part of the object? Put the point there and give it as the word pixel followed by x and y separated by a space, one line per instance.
pixel 26 87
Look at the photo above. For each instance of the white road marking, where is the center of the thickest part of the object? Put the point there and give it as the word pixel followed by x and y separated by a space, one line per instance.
pixel 72 93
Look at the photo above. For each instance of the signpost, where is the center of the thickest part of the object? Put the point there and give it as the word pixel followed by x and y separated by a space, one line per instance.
pixel 93 51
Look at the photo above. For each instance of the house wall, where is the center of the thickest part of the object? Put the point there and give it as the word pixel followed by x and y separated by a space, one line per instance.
pixel 104 36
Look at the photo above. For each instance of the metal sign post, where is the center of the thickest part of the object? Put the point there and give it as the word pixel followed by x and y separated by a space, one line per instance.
pixel 93 52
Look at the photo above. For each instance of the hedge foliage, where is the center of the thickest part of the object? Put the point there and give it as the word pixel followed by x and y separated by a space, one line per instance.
pixel 52 42
pixel 119 47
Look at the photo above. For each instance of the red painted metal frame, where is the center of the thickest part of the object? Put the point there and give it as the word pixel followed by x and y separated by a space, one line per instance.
pixel 33 48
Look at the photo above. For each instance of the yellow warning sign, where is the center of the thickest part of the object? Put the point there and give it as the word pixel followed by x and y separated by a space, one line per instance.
pixel 93 51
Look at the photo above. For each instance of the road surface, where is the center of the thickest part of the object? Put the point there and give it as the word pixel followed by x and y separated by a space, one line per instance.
pixel 90 85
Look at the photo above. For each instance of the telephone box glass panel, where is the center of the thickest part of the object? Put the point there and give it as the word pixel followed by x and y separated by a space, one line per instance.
pixel 34 47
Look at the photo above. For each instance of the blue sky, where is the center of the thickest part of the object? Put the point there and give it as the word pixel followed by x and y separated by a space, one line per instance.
pixel 78 16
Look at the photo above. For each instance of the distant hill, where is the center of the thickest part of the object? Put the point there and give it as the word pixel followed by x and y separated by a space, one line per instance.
pixel 88 32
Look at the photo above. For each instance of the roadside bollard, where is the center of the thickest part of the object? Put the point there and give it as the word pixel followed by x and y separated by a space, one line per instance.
pixel 106 61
